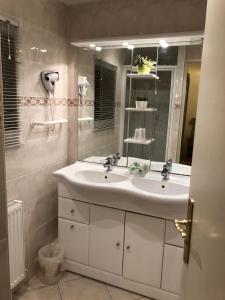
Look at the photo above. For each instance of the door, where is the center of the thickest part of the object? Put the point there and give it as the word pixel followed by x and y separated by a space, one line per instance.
pixel 74 237
pixel 143 249
pixel 204 276
pixel 106 239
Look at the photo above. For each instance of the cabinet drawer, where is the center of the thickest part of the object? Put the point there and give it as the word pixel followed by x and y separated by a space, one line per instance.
pixel 74 237
pixel 172 236
pixel 74 210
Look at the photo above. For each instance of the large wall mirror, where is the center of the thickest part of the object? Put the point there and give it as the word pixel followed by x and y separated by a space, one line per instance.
pixel 139 99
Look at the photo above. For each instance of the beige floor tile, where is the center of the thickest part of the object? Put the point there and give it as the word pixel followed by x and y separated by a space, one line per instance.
pixel 46 293
pixel 119 294
pixel 35 283
pixel 69 276
pixel 84 289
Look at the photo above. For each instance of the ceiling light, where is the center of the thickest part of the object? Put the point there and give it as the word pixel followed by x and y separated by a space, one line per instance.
pixel 98 48
pixel 92 46
pixel 125 43
pixel 163 44
pixel 130 47
pixel 44 50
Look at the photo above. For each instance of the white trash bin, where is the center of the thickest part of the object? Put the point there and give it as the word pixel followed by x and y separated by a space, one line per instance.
pixel 51 262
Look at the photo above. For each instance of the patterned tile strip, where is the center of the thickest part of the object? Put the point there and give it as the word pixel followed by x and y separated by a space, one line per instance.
pixel 36 101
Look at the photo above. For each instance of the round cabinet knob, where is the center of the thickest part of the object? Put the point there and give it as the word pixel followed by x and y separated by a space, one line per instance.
pixel 72 211
pixel 128 247
pixel 117 244
pixel 71 226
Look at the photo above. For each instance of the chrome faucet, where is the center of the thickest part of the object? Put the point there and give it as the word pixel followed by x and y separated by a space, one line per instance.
pixel 115 157
pixel 108 164
pixel 167 169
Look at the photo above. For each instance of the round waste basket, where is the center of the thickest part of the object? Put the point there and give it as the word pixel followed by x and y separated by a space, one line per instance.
pixel 51 260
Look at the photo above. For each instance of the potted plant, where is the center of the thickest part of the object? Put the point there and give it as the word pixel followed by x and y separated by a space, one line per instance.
pixel 144 64
pixel 141 102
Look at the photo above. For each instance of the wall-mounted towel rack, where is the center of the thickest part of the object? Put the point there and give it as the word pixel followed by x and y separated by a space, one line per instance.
pixel 48 123
pixel 85 119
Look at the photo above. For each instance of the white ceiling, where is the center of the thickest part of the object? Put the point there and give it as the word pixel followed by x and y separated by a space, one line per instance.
pixel 72 2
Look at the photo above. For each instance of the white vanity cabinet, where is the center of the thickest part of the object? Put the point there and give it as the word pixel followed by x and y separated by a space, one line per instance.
pixel 106 238
pixel 143 249
pixel 137 252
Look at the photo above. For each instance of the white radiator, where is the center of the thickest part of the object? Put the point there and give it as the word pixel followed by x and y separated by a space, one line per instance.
pixel 16 242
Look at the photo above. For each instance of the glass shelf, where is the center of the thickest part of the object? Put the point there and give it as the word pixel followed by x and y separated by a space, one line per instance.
pixel 142 76
pixel 150 109
pixel 141 142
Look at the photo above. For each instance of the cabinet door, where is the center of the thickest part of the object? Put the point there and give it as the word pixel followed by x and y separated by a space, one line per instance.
pixel 172 268
pixel 106 239
pixel 74 238
pixel 143 249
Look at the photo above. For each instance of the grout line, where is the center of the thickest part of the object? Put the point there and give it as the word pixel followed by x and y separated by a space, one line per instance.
pixel 29 289
pixel 164 240
pixel 108 291
pixel 68 280
pixel 138 296
pixel 59 291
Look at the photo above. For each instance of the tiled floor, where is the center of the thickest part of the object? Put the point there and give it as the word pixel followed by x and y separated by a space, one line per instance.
pixel 73 287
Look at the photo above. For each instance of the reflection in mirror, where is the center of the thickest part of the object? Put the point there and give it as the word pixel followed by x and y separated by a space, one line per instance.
pixel 148 118
pixel 189 113
pixel 100 109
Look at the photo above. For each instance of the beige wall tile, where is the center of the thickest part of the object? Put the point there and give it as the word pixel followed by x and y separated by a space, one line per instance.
pixel 5 292
pixel 43 235
pixel 29 168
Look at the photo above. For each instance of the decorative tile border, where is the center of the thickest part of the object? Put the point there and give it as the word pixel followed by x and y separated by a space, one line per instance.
pixel 86 102
pixel 36 101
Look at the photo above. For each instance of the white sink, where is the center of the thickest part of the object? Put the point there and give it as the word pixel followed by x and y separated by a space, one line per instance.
pixel 99 176
pixel 90 183
pixel 161 188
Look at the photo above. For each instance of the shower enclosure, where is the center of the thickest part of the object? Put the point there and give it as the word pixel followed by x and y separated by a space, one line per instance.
pixel 156 118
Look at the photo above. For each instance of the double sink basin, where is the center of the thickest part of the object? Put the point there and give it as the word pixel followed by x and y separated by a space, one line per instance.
pixel 149 194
